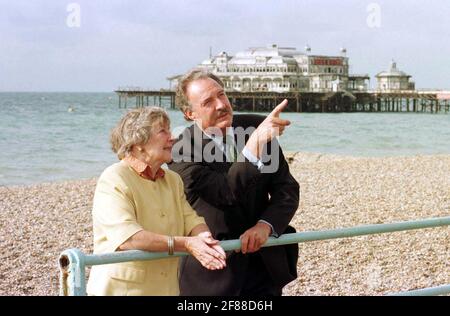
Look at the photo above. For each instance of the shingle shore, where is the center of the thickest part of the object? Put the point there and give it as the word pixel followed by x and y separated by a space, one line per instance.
pixel 40 221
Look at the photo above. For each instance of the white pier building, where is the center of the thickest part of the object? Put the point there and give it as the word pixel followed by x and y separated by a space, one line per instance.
pixel 394 80
pixel 283 69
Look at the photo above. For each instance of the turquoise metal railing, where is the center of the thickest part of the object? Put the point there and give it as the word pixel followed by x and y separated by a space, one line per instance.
pixel 73 262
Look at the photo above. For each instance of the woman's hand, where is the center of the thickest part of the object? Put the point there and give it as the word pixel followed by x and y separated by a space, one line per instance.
pixel 206 250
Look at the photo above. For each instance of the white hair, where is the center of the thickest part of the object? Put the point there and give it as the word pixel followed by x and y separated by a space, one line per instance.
pixel 135 128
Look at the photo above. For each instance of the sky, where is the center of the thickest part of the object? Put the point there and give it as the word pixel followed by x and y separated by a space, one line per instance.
pixel 99 45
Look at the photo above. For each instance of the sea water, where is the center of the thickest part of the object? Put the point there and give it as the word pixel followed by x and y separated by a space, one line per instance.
pixel 58 136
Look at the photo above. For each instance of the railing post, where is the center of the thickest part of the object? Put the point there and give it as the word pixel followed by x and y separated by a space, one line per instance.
pixel 72 275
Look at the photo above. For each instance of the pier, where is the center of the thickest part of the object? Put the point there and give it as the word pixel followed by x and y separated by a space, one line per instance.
pixel 141 97
pixel 417 101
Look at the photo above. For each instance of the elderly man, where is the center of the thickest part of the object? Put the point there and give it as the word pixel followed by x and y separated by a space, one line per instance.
pixel 236 177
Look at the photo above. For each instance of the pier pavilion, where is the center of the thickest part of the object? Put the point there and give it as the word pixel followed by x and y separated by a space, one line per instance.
pixel 259 78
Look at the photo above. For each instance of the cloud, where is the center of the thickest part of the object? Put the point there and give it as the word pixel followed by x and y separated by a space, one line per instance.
pixel 141 42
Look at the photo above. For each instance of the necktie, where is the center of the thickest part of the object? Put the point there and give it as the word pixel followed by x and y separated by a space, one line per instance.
pixel 230 148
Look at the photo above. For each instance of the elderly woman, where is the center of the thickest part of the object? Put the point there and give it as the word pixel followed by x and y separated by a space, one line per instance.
pixel 138 205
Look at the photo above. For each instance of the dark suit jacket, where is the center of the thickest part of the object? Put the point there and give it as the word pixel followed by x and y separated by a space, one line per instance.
pixel 232 197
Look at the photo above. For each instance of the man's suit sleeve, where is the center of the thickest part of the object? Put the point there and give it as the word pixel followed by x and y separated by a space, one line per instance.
pixel 217 188
pixel 284 196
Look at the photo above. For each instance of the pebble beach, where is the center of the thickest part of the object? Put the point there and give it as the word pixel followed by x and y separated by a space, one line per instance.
pixel 39 221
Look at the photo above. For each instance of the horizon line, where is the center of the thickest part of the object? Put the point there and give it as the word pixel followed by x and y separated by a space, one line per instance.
pixel 61 91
